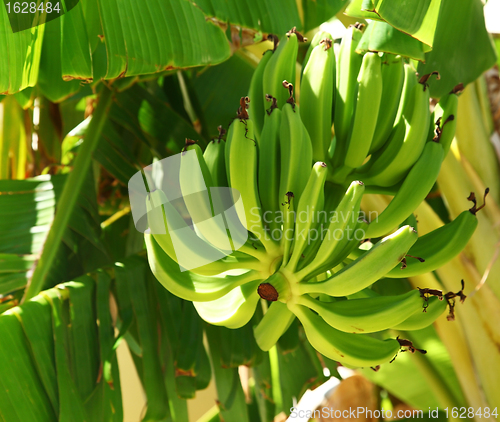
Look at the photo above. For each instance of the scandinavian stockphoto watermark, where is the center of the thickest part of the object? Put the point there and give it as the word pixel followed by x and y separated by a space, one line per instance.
pixel 196 224
pixel 28 14
pixel 319 230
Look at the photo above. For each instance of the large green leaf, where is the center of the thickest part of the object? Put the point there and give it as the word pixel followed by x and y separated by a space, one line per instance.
pixel 157 35
pixel 20 53
pixel 415 17
pixel 219 90
pixel 267 16
pixel 318 11
pixel 22 394
pixel 380 36
pixel 130 44
pixel 456 55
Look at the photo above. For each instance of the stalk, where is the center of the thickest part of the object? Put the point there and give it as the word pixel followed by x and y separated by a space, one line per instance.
pixel 69 196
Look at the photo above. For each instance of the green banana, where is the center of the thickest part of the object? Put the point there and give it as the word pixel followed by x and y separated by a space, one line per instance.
pixel 446 112
pixel 392 86
pixel 367 315
pixel 416 117
pixel 358 350
pixel 435 308
pixel 179 242
pixel 215 161
pixel 188 285
pixel 410 81
pixel 234 309
pixel 383 157
pixel 346 212
pixel 367 269
pixel 296 153
pixel 318 37
pixel 342 251
pixel 271 327
pixel 256 107
pixel 348 65
pixel 316 98
pixel 279 68
pixel 175 237
pixel 242 155
pixel 269 168
pixel 366 110
pixel 439 246
pixel 310 204
pixel 288 232
pixel 413 191
pixel 205 210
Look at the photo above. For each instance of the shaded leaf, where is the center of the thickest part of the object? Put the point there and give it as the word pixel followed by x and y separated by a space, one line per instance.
pixel 318 11
pixel 20 383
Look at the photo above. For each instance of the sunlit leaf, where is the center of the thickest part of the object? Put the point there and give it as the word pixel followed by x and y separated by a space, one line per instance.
pixel 456 55
pixel 380 36
pixel 415 17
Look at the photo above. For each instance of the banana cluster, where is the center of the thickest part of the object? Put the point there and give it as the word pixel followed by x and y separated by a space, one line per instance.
pixel 363 125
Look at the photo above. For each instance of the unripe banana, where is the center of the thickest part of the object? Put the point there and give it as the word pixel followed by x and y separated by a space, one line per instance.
pixel 310 204
pixel 348 65
pixel 357 350
pixel 346 212
pixel 269 167
pixel 367 269
pixel 169 228
pixel 296 153
pixel 273 325
pixel 367 315
pixel 287 236
pixel 188 285
pixel 281 67
pixel 256 107
pixel 416 116
pixel 318 37
pixel 383 157
pixel 438 246
pixel 242 155
pixel 234 309
pixel 215 161
pixel 435 308
pixel 353 234
pixel 413 191
pixel 205 209
pixel 316 98
pixel 392 86
pixel 366 110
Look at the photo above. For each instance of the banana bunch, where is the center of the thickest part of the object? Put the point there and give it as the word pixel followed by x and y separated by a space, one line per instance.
pixel 272 214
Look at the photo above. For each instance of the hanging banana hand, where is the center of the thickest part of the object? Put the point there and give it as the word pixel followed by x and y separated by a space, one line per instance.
pixel 296 187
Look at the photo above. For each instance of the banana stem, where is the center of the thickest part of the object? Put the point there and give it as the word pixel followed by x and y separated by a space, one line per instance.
pixel 69 195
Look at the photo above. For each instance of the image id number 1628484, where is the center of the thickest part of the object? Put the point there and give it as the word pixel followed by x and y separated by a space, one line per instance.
pixel 32 7
pixel 469 412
